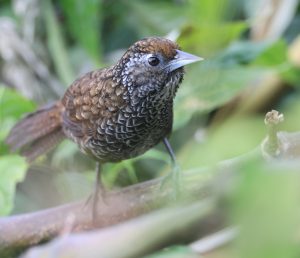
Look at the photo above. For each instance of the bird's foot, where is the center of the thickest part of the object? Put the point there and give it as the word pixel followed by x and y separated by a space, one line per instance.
pixel 98 195
pixel 173 178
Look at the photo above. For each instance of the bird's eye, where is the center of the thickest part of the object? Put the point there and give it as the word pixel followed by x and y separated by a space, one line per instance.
pixel 153 60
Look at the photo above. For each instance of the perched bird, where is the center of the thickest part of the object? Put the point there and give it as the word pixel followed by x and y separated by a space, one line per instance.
pixel 114 113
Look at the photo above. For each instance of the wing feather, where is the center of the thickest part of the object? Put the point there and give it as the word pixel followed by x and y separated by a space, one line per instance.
pixel 91 100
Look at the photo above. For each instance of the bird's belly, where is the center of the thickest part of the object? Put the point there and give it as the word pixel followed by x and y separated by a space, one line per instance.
pixel 125 142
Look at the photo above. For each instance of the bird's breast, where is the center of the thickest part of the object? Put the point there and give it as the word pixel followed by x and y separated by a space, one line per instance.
pixel 133 131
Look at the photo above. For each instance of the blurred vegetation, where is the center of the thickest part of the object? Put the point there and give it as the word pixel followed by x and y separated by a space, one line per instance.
pixel 251 65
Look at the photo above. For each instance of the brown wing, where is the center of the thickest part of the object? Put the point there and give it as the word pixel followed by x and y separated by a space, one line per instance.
pixel 89 101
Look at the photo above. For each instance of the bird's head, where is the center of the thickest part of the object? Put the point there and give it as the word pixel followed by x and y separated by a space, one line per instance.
pixel 152 65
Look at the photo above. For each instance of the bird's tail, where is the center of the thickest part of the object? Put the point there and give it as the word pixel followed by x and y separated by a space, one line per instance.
pixel 38 132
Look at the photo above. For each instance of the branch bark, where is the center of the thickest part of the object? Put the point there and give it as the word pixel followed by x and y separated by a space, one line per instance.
pixel 160 228
pixel 21 231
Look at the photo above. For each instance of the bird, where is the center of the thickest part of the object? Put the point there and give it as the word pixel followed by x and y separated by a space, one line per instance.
pixel 114 113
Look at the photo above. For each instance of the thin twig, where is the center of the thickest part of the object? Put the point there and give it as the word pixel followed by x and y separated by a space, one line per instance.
pixel 271 146
pixel 214 241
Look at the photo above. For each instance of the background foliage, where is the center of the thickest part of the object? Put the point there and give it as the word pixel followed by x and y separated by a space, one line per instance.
pixel 249 68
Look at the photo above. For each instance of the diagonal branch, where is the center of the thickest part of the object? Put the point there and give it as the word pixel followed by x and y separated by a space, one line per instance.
pixel 20 231
pixel 161 228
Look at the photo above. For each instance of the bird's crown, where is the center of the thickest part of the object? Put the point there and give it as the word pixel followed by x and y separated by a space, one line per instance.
pixel 152 45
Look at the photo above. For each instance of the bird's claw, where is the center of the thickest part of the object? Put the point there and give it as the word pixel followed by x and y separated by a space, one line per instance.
pixel 94 198
pixel 174 177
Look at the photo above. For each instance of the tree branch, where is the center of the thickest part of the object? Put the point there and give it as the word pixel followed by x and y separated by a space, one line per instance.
pixel 160 228
pixel 20 231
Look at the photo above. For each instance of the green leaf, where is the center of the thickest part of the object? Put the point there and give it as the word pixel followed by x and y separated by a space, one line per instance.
pixel 210 85
pixel 209 12
pixel 56 45
pixel 291 75
pixel 12 171
pixel 6 10
pixel 266 208
pixel 276 58
pixel 275 55
pixel 200 39
pixel 64 152
pixel 12 107
pixel 242 52
pixel 83 20
pixel 231 139
pixel 167 16
pixel 155 155
pixel 208 27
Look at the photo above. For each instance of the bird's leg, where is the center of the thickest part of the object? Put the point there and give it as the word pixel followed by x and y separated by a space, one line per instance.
pixel 99 191
pixel 176 172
